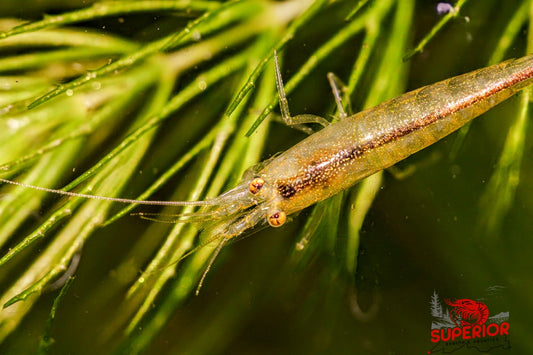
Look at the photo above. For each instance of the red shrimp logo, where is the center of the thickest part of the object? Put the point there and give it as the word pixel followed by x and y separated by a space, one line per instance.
pixel 467 324
pixel 467 312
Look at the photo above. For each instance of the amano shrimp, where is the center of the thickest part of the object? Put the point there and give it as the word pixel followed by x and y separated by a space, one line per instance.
pixel 345 152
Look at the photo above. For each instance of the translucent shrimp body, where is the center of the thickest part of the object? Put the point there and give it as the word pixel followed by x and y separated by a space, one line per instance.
pixel 357 146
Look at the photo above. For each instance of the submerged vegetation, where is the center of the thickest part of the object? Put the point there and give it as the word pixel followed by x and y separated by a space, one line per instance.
pixel 174 100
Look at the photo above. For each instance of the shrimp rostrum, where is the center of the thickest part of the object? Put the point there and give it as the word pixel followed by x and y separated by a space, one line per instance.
pixel 356 146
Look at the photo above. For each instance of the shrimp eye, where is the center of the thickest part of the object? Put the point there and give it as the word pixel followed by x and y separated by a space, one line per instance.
pixel 277 219
pixel 256 185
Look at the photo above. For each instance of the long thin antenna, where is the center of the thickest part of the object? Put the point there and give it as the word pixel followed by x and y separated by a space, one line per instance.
pixel 114 199
pixel 211 261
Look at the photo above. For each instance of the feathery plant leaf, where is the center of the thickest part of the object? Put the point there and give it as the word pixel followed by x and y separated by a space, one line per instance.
pixel 172 100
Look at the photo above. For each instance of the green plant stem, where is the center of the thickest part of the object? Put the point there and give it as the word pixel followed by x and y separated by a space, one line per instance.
pixel 161 45
pixel 138 80
pixel 89 39
pixel 501 189
pixel 320 54
pixel 195 267
pixel 110 8
pixel 442 22
pixel 289 34
pixel 510 33
pixel 47 339
pixel 211 77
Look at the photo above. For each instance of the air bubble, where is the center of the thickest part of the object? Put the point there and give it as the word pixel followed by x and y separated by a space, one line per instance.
pixel 196 36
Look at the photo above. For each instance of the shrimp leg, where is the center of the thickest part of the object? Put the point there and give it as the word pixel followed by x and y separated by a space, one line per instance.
pixel 284 104
pixel 335 84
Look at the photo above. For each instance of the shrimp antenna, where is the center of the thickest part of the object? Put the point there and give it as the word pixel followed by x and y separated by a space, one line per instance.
pixel 187 254
pixel 173 217
pixel 211 261
pixel 114 199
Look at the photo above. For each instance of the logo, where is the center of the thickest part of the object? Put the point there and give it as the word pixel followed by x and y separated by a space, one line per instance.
pixel 467 324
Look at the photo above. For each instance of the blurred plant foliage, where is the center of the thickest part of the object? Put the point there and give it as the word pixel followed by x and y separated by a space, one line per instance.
pixel 173 100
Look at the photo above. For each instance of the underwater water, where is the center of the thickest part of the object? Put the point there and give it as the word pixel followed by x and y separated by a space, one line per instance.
pixel 456 227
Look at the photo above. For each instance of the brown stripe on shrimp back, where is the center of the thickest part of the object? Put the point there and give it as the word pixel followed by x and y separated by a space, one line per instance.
pixel 321 170
pixel 316 173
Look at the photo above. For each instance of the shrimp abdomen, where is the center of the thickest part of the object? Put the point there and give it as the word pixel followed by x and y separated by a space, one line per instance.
pixel 421 117
pixel 345 152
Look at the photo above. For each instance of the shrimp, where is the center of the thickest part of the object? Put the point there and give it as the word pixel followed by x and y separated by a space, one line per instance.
pixel 357 146
pixel 345 152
